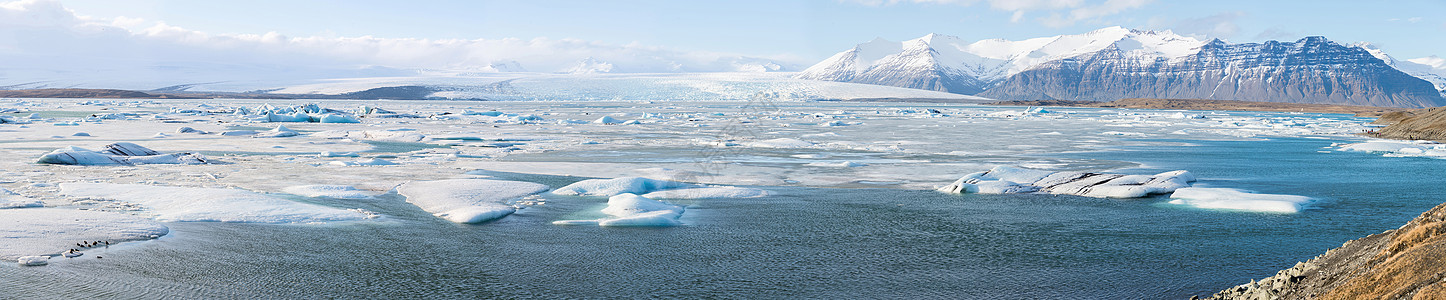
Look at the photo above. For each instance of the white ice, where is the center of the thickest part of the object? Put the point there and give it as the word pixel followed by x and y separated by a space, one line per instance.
pixel 190 204
pixel 616 186
pixel 50 231
pixel 1234 199
pixel 1011 180
pixel 329 191
pixel 709 192
pixel 633 211
pixel 122 153
pixel 468 200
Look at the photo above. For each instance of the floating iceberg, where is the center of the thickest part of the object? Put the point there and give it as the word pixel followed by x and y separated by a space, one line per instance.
pixel 468 200
pixel 119 154
pixel 35 260
pixel 187 204
pixel 634 210
pixel 50 231
pixel 328 191
pixel 1010 180
pixel 615 186
pixel 1233 199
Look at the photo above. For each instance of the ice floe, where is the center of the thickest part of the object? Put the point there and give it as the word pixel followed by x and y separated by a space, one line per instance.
pixel 1234 199
pixel 633 210
pixel 122 153
pixel 709 192
pixel 1011 180
pixel 50 231
pixel 468 200
pixel 1398 148
pixel 329 191
pixel 189 204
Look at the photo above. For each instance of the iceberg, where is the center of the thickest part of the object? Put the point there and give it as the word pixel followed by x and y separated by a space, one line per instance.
pixel 633 211
pixel 189 204
pixel 1233 199
pixel 468 200
pixel 616 186
pixel 607 120
pixel 122 153
pixel 1010 180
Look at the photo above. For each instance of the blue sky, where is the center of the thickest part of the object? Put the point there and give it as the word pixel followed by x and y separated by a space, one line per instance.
pixel 804 31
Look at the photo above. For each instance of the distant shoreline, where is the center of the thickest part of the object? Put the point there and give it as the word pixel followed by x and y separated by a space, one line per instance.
pixel 1224 105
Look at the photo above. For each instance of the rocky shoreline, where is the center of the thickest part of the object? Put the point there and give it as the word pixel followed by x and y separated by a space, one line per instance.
pixel 1402 263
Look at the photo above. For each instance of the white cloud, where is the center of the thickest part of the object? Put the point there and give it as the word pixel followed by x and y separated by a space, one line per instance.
pixel 47 35
pixel 1221 25
pixel 1061 13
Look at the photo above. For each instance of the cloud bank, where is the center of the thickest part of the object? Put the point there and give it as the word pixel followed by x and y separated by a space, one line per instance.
pixel 45 40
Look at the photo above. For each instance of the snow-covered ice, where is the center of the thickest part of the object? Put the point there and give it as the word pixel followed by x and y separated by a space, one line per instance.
pixel 190 204
pixel 709 192
pixel 329 191
pixel 50 231
pixel 468 200
pixel 122 153
pixel 1011 180
pixel 1234 199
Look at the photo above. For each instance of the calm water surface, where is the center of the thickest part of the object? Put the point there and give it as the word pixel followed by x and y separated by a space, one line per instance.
pixel 802 243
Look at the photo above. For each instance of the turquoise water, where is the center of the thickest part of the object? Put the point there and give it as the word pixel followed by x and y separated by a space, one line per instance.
pixel 802 243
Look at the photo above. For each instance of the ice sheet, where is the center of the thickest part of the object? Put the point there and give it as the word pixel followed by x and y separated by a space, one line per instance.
pixel 50 231
pixel 468 200
pixel 190 204
pixel 1234 199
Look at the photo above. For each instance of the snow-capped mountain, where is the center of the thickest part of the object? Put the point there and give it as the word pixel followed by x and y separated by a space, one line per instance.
pixel 1431 68
pixel 1115 62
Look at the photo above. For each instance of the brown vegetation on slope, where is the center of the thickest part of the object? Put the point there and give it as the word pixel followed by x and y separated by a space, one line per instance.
pixel 1202 104
pixel 1403 263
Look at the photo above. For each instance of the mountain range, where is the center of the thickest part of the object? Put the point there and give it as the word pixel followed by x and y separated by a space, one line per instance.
pixel 1115 63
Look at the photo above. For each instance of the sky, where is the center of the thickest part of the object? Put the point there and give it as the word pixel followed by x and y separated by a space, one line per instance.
pixel 147 44
pixel 798 31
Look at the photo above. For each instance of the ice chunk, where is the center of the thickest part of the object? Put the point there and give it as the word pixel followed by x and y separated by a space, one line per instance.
pixel 118 154
pixel 634 210
pixel 1233 199
pixel 1385 146
pixel 338 154
pixel 780 143
pixel 609 120
pixel 842 164
pixel 1010 180
pixel 50 231
pixel 373 135
pixel 338 118
pixel 615 186
pixel 278 132
pixel 34 260
pixel 186 204
pixel 369 162
pixel 709 192
pixel 329 191
pixel 9 199
pixel 467 200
